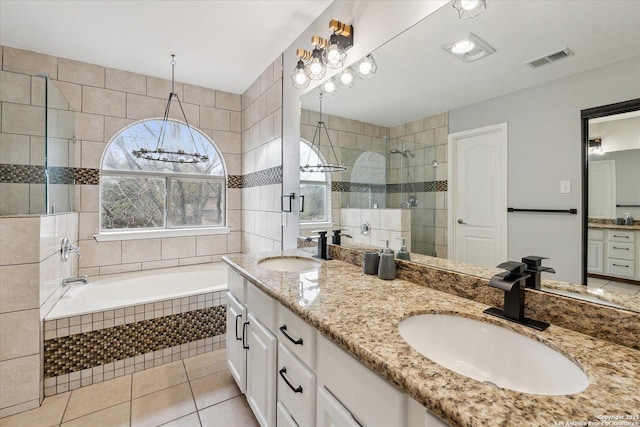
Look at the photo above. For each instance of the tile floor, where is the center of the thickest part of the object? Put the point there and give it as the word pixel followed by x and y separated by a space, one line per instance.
pixel 198 391
pixel 612 285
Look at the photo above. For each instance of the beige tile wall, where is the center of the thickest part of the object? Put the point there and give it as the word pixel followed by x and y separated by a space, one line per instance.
pixel 261 150
pixel 106 100
pixel 31 273
pixel 432 209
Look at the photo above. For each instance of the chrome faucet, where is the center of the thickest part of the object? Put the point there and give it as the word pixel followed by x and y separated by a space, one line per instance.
pixel 511 282
pixel 535 269
pixel 70 280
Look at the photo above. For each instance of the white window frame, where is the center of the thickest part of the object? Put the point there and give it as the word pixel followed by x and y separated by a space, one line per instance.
pixel 327 182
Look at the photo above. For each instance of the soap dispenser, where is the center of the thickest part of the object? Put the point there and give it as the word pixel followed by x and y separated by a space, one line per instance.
pixel 387 266
pixel 628 219
pixel 403 253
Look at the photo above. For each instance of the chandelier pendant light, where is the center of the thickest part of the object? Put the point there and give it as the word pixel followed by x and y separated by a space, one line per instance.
pixel 468 9
pixel 168 156
pixel 328 167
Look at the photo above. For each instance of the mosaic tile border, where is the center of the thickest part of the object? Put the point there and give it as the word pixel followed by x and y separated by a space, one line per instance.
pixel 234 181
pixel 33 174
pixel 418 187
pixel 264 177
pixel 22 174
pixel 91 349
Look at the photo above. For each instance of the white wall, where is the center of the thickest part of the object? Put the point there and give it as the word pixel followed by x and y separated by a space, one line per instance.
pixel 374 22
pixel 543 149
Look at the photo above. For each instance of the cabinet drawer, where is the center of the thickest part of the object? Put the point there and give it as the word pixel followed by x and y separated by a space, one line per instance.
pixel 621 236
pixel 261 305
pixel 237 286
pixel 621 267
pixel 296 387
pixel 595 234
pixel 284 419
pixel 371 399
pixel 621 250
pixel 297 336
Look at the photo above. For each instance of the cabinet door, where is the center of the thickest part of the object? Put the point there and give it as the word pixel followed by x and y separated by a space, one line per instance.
pixel 331 413
pixel 236 354
pixel 595 256
pixel 261 372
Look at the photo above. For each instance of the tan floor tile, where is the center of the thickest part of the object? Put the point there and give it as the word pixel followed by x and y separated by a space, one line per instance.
pixel 162 406
pixel 231 413
pixel 115 416
pixel 48 414
pixel 87 400
pixel 206 364
pixel 158 378
pixel 214 388
pixel 191 420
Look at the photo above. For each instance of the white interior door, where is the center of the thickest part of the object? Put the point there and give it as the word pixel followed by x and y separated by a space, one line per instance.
pixel 478 195
pixel 602 189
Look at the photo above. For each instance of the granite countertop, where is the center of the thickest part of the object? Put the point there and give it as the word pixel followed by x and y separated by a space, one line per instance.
pixel 633 227
pixel 361 314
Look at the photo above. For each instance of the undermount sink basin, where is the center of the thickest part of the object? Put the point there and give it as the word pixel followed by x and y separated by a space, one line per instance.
pixel 493 355
pixel 289 264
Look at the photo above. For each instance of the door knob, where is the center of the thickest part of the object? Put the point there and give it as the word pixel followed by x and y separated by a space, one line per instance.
pixel 460 221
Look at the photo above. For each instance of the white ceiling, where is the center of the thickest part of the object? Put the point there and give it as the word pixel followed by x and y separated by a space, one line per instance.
pixel 417 78
pixel 224 45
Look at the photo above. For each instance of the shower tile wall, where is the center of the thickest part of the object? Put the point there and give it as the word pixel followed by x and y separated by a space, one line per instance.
pixel 426 136
pixel 31 272
pixel 262 161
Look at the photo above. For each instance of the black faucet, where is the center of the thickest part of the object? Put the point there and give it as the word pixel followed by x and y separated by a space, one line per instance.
pixel 335 239
pixel 534 268
pixel 323 251
pixel 511 283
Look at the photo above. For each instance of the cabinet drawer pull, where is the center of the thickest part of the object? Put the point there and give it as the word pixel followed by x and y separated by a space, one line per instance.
pixel 295 389
pixel 620 265
pixel 621 249
pixel 624 237
pixel 244 334
pixel 238 316
pixel 283 329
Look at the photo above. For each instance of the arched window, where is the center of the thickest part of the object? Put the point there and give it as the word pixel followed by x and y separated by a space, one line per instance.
pixel 314 186
pixel 149 194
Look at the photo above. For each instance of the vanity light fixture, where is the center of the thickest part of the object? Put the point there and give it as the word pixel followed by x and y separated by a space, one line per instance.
pixel 325 54
pixel 469 48
pixel 595 146
pixel 167 156
pixel 467 9
pixel 366 67
pixel 330 87
pixel 315 147
pixel 300 78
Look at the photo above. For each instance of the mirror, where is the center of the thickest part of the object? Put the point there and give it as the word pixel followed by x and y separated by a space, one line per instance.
pixel 421 93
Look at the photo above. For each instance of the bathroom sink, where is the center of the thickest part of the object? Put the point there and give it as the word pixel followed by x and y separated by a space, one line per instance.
pixel 493 355
pixel 289 264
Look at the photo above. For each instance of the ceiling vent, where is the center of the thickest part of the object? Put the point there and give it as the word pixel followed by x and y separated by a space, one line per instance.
pixel 550 58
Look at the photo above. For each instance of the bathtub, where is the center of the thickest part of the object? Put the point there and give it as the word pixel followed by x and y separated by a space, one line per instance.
pixel 141 287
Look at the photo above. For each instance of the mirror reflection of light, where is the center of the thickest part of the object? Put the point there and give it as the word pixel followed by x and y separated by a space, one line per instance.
pixel 346 78
pixel 329 86
pixel 308 289
pixel 469 4
pixel 364 67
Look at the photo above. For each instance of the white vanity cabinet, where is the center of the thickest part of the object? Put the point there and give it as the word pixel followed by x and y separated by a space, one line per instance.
pixel 261 365
pixel 621 254
pixel 236 349
pixel 595 251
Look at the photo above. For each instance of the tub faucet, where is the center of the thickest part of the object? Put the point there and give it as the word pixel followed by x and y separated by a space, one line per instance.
pixel 70 280
pixel 534 268
pixel 511 282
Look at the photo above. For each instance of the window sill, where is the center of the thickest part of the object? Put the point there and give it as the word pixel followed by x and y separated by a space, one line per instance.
pixel 158 234
pixel 316 225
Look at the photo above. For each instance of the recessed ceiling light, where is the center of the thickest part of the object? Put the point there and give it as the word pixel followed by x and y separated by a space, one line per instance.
pixel 469 48
pixel 463 46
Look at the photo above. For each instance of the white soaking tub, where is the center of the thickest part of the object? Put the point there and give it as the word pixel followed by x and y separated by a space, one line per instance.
pixel 141 287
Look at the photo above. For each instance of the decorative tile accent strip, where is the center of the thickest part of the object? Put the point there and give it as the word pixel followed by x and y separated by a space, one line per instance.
pixel 234 181
pixel 22 174
pixel 86 176
pixel 264 177
pixel 418 187
pixel 86 350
